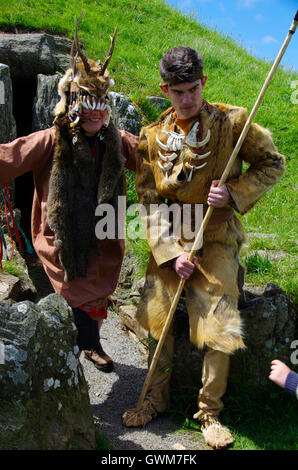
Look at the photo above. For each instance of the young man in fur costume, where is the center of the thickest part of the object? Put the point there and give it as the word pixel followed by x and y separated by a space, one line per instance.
pixel 180 159
pixel 77 164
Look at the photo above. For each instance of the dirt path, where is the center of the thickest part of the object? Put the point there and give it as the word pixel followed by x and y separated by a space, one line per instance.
pixel 112 394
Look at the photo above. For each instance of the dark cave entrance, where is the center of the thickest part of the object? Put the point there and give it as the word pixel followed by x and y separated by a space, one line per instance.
pixel 24 92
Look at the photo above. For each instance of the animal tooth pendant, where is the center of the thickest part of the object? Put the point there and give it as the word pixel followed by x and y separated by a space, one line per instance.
pixel 169 165
pixel 167 158
pixel 192 142
pixel 192 168
pixel 191 138
pixel 197 156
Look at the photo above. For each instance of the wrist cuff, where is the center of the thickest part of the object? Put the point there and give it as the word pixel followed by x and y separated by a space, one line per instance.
pixel 291 383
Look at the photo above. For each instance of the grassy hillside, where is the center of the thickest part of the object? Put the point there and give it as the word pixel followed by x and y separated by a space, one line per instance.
pixel 146 31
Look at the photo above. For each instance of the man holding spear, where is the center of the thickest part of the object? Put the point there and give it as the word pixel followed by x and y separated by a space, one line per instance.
pixel 181 159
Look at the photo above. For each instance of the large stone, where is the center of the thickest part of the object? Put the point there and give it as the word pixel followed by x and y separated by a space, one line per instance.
pixel 10 286
pixel 45 101
pixel 126 115
pixel 271 255
pixel 161 104
pixel 8 130
pixel 44 402
pixel 33 53
pixel 27 290
pixel 269 326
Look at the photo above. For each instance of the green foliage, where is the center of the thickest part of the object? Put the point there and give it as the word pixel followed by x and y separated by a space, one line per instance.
pixel 12 268
pixel 257 264
pixel 260 418
pixel 102 442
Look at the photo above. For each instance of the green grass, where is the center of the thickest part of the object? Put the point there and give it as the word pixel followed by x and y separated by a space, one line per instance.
pixel 11 267
pixel 102 442
pixel 264 419
pixel 257 264
pixel 259 418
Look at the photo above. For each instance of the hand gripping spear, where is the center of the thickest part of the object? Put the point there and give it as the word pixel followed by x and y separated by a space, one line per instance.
pixel 129 416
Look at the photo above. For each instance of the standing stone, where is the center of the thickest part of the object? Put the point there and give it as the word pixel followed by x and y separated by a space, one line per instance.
pixel 8 131
pixel 45 101
pixel 32 53
pixel 44 402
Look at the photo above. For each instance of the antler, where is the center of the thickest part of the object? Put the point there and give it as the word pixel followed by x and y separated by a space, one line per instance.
pixel 108 58
pixel 77 44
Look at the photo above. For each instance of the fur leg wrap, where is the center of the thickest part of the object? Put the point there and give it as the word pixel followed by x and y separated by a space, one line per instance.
pixel 137 417
pixel 215 434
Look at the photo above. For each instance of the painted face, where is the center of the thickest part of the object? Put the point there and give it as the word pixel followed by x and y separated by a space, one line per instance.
pixel 186 97
pixel 92 121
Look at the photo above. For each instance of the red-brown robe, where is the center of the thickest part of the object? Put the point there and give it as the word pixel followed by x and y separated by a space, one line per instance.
pixel 35 153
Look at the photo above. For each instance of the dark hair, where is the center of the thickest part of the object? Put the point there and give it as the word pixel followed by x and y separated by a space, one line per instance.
pixel 181 64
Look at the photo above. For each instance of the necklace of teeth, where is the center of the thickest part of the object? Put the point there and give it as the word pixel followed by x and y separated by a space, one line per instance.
pixel 169 165
pixel 175 143
pixel 91 103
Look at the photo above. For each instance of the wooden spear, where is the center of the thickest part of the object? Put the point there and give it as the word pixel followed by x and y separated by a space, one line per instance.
pixel 199 237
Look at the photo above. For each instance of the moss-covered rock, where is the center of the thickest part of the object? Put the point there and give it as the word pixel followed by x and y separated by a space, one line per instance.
pixel 44 402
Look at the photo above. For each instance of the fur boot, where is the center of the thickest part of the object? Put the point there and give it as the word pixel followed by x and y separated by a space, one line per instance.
pixel 139 417
pixel 215 434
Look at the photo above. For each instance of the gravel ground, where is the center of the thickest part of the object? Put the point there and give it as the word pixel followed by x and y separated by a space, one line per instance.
pixel 112 394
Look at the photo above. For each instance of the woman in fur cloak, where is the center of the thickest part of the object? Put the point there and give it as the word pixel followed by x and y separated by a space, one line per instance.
pixel 77 164
pixel 180 159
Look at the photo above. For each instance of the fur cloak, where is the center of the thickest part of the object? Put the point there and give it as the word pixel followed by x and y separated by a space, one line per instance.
pixel 212 290
pixel 78 183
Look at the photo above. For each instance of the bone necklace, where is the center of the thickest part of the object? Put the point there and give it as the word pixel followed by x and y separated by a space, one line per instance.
pixel 175 143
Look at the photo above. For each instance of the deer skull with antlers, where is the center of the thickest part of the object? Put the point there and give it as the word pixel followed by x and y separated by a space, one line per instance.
pixel 85 84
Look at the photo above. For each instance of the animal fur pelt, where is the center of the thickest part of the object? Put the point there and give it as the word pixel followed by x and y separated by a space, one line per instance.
pixel 75 189
pixel 168 170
